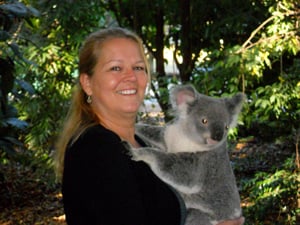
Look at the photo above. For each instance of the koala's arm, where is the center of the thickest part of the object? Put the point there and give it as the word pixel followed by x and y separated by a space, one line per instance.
pixel 180 170
pixel 151 134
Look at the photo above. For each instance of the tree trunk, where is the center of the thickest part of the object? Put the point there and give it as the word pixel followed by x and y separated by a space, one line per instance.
pixel 186 46
pixel 159 57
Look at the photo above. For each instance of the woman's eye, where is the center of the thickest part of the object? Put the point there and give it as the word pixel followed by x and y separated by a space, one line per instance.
pixel 139 68
pixel 115 68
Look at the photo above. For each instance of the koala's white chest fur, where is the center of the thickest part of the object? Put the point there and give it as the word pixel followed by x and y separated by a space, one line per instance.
pixel 177 140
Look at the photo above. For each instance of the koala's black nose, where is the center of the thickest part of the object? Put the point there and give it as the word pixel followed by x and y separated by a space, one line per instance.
pixel 217 131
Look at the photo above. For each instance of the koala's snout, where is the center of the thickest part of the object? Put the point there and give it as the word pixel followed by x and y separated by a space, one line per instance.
pixel 217 131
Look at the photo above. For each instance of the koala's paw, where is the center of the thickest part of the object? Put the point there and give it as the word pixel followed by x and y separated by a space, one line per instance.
pixel 130 151
pixel 144 154
pixel 134 153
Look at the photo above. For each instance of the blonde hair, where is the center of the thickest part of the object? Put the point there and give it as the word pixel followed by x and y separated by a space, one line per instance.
pixel 81 115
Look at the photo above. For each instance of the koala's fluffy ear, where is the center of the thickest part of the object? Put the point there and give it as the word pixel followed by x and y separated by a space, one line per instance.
pixel 182 94
pixel 234 106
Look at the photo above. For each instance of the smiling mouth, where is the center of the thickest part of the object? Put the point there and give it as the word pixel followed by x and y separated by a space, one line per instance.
pixel 127 92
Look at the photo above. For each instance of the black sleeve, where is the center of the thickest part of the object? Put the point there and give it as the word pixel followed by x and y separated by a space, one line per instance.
pixel 99 186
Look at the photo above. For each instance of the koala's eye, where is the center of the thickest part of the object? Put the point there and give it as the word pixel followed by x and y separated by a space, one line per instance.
pixel 204 121
pixel 227 127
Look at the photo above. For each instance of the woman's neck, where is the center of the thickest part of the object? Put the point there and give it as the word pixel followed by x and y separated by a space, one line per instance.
pixel 124 128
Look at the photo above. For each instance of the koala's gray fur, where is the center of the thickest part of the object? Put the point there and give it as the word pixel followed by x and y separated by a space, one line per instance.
pixel 191 155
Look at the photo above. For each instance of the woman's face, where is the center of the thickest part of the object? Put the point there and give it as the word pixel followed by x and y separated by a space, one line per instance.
pixel 119 80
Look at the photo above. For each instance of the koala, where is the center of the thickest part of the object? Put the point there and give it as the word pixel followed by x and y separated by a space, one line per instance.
pixel 190 154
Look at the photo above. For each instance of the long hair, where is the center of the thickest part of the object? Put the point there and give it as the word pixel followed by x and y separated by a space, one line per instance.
pixel 80 115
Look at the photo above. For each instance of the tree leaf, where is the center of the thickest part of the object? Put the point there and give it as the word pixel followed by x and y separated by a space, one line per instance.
pixel 25 86
pixel 17 8
pixel 15 122
pixel 4 35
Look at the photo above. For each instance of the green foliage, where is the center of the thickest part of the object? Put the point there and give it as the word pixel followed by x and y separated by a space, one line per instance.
pixel 41 95
pixel 266 67
pixel 38 63
pixel 53 72
pixel 10 125
pixel 279 100
pixel 272 196
pixel 13 14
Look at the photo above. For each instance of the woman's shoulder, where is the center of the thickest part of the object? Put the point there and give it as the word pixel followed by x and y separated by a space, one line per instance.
pixel 98 134
pixel 94 138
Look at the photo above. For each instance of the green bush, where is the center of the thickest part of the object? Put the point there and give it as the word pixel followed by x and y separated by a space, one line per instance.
pixel 271 197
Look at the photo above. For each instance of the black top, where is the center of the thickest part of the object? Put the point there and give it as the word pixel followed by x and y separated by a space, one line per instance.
pixel 103 186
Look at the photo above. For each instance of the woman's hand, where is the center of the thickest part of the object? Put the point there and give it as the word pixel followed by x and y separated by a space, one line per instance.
pixel 239 221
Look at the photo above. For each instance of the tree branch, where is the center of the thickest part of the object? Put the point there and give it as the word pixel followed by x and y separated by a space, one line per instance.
pixel 274 37
pixel 260 27
pixel 254 33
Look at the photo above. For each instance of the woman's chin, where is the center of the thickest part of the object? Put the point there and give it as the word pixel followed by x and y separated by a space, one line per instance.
pixel 131 110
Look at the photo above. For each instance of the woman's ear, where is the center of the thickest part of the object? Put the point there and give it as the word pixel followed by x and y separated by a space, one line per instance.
pixel 85 82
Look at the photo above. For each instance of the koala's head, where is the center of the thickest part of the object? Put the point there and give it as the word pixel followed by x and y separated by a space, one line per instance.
pixel 205 119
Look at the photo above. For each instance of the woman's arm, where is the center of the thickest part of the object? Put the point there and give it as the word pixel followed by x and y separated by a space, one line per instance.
pixel 98 183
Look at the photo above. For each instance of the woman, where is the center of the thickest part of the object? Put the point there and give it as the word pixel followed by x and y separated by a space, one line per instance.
pixel 100 183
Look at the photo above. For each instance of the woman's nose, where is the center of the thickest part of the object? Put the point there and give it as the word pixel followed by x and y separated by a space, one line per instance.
pixel 130 74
